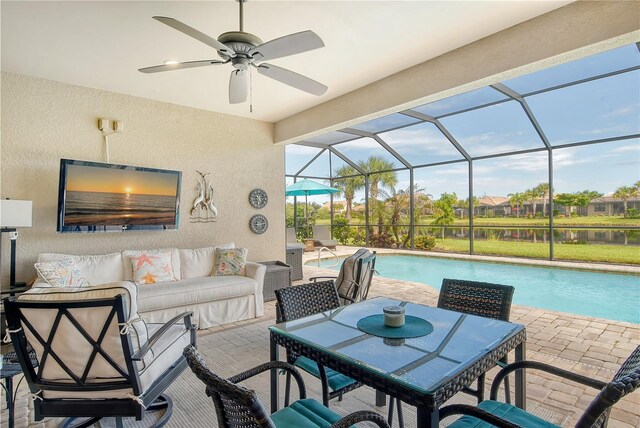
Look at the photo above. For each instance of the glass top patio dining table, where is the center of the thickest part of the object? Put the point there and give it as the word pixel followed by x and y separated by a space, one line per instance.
pixel 423 371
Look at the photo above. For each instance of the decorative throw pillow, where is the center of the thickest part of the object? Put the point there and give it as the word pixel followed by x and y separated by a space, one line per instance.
pixel 61 273
pixel 230 261
pixel 150 268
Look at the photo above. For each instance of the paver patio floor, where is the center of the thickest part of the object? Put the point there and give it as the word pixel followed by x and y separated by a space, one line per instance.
pixel 590 346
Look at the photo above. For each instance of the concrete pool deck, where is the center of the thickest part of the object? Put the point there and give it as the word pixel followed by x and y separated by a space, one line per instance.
pixel 590 346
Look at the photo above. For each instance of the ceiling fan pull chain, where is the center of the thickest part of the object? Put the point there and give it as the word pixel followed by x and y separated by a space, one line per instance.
pixel 250 90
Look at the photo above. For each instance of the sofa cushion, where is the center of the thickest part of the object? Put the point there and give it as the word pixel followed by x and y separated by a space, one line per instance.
pixel 98 269
pixel 199 262
pixel 152 268
pixel 61 273
pixel 194 291
pixel 69 344
pixel 128 265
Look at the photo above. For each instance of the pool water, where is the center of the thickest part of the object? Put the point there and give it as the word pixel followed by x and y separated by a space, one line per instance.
pixel 602 295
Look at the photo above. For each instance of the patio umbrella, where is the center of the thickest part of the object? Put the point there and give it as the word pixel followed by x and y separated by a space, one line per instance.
pixel 308 187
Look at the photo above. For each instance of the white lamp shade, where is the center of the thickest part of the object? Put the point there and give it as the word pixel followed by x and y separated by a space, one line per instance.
pixel 14 213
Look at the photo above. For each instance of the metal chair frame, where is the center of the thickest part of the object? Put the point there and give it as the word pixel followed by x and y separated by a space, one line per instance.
pixel 596 415
pixel 94 409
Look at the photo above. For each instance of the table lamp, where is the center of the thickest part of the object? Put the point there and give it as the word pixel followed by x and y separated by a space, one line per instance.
pixel 14 214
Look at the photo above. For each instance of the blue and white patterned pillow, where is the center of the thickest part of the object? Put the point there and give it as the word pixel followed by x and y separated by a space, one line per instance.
pixel 62 273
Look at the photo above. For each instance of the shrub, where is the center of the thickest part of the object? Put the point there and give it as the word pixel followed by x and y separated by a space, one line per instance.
pixel 632 213
pixel 341 230
pixel 425 242
pixel 382 240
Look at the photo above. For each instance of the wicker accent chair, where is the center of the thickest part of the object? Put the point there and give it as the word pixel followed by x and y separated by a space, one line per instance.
pixel 240 407
pixel 354 279
pixel 483 299
pixel 504 415
pixel 95 356
pixel 301 301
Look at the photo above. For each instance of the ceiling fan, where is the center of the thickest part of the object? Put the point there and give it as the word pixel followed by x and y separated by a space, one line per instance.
pixel 244 50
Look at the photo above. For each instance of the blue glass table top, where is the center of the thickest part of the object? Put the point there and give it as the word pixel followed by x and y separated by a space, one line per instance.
pixel 423 363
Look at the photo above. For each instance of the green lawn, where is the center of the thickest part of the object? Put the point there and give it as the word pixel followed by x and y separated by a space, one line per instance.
pixel 574 221
pixel 524 222
pixel 584 252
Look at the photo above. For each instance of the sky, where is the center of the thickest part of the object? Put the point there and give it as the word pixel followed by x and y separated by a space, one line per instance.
pixel 599 109
pixel 115 180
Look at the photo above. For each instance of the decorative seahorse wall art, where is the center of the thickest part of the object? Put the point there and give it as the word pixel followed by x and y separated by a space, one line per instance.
pixel 203 209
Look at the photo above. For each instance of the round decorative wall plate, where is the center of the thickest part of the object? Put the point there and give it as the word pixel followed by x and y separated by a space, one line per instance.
pixel 258 198
pixel 259 224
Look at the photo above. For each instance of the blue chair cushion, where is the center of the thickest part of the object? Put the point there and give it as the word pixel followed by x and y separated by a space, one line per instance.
pixel 304 413
pixel 505 411
pixel 335 380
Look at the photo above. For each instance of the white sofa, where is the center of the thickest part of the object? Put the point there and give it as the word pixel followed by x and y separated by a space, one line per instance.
pixel 214 300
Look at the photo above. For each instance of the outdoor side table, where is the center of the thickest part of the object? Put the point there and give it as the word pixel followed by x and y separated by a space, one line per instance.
pixel 422 371
pixel 278 275
pixel 294 259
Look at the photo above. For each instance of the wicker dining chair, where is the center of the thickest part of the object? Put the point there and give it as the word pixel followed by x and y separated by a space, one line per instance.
pixel 503 415
pixel 483 299
pixel 301 301
pixel 239 407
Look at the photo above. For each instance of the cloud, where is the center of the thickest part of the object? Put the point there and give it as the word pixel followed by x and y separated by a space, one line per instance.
pixel 295 149
pixel 631 148
pixel 623 111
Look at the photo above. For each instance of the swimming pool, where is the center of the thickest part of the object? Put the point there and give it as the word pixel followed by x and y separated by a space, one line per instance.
pixel 602 295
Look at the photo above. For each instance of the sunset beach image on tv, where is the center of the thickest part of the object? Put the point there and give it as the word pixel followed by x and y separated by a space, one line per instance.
pixel 97 196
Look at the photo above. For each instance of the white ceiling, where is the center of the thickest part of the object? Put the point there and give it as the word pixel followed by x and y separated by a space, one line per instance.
pixel 102 44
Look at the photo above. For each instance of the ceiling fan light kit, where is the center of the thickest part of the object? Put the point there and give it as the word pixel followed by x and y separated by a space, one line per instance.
pixel 245 50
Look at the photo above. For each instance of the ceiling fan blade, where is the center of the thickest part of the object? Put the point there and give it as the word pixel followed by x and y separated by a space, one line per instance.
pixel 238 86
pixel 287 45
pixel 291 78
pixel 179 66
pixel 198 35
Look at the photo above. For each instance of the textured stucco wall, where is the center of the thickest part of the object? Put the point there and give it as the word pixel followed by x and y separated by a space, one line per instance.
pixel 44 121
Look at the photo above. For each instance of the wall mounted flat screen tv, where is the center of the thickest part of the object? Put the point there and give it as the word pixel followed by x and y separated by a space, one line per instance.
pixel 103 197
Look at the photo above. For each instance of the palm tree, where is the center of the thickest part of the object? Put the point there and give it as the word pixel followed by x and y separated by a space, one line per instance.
pixel 399 202
pixel 387 179
pixel 531 195
pixel 542 190
pixel 348 185
pixel 380 175
pixel 516 200
pixel 624 193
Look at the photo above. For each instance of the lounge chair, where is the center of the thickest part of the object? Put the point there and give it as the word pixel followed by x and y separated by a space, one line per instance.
pixel 354 279
pixel 323 238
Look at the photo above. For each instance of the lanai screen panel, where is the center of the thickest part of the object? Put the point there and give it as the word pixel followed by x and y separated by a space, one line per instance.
pixel 603 108
pixel 461 102
pixel 421 144
pixel 361 150
pixel 319 167
pixel 585 68
pixel 385 123
pixel 297 156
pixel 498 129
